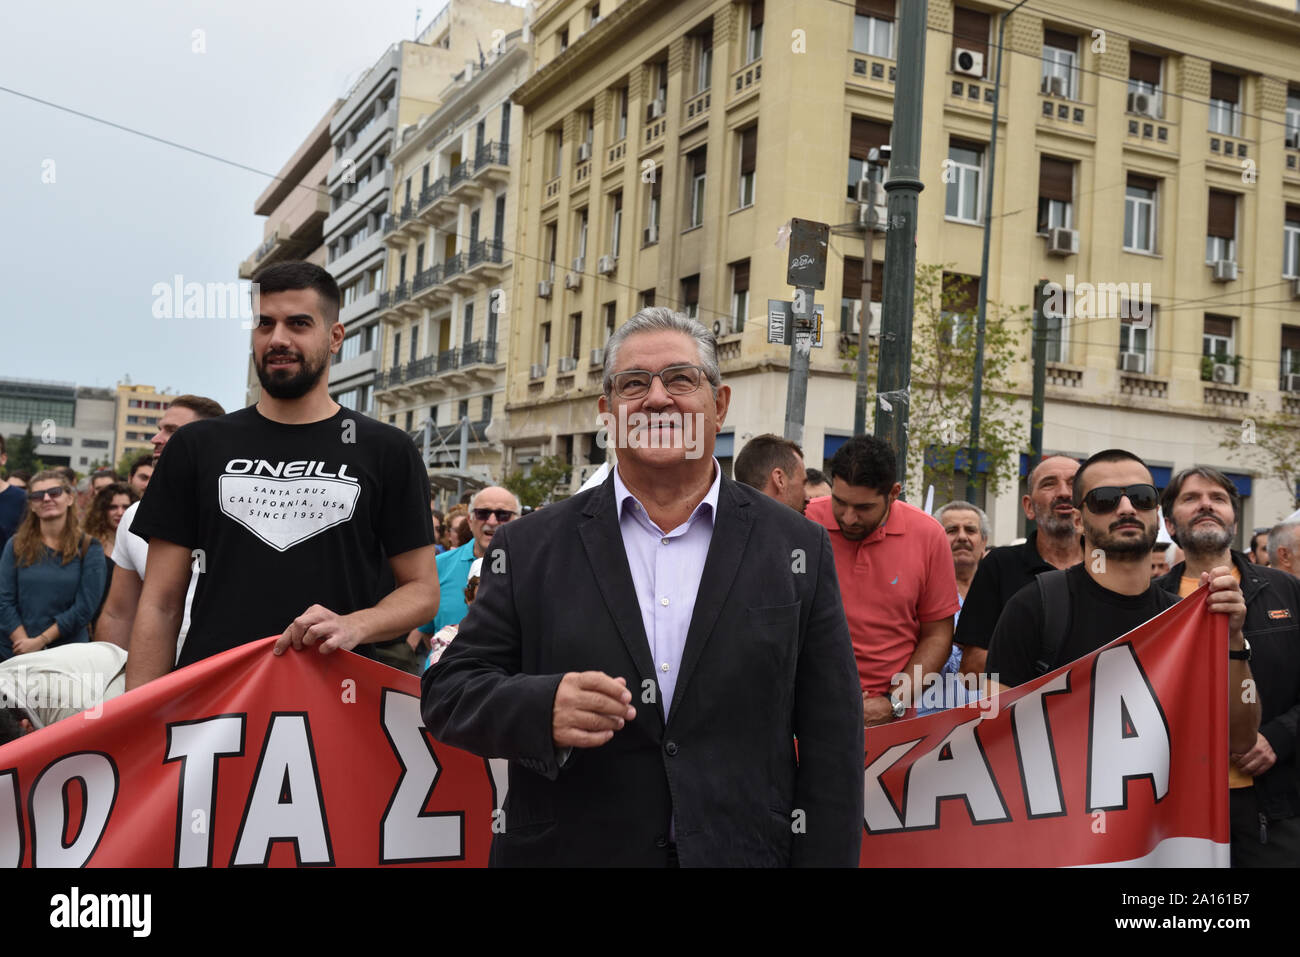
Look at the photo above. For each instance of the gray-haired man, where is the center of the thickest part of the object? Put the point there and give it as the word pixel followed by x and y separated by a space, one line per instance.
pixel 647 652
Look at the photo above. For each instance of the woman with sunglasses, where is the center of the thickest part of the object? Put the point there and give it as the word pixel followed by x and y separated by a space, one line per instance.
pixel 51 573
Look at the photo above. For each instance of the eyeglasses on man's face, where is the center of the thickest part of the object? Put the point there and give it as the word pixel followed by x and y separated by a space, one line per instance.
pixel 677 380
pixel 502 514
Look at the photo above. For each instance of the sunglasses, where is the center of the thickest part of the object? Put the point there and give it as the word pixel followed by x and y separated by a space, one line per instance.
pixel 502 514
pixel 50 492
pixel 1104 499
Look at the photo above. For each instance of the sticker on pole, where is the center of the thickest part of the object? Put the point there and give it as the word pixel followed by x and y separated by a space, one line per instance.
pixel 782 328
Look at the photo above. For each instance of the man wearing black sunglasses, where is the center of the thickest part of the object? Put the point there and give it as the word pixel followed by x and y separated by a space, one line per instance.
pixel 1111 592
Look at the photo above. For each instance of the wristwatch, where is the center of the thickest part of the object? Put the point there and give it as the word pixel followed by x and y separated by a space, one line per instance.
pixel 896 705
pixel 1243 655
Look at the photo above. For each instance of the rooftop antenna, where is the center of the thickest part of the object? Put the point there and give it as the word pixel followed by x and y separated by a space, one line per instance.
pixel 418 11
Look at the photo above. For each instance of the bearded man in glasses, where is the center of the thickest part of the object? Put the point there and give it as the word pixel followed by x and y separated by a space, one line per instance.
pixel 647 652
pixel 1202 510
pixel 1111 592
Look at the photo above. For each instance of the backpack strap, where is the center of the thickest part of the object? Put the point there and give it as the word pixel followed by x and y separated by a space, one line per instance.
pixel 1054 593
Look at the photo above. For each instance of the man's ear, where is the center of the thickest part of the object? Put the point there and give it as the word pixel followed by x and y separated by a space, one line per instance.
pixel 778 479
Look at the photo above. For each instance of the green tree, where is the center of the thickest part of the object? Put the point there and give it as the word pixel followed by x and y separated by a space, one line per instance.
pixel 943 375
pixel 126 460
pixel 537 485
pixel 1269 441
pixel 22 452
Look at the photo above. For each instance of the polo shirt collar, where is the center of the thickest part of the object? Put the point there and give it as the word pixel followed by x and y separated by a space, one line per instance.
pixel 622 496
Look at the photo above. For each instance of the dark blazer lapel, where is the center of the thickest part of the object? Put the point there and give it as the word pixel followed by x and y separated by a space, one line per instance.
pixel 731 527
pixel 603 540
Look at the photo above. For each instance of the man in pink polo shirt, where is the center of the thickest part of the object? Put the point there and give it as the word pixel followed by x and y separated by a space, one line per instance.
pixel 896 577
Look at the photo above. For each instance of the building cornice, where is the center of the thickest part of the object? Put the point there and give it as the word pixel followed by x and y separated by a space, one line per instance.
pixel 588 49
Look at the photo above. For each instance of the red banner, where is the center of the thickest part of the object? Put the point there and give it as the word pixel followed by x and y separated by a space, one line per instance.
pixel 1120 757
pixel 249 759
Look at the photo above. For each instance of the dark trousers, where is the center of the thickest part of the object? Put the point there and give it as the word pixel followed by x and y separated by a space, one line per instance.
pixel 1257 841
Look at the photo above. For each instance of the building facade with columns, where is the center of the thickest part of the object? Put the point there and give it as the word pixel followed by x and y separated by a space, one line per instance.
pixel 665 144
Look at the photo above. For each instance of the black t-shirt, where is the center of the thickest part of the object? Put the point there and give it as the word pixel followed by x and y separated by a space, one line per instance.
pixel 287 516
pixel 1000 574
pixel 1097 617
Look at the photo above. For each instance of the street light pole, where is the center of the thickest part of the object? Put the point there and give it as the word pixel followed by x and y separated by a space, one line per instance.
pixel 977 387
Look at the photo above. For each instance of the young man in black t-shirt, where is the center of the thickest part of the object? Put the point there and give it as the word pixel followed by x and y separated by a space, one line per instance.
pixel 1111 591
pixel 289 507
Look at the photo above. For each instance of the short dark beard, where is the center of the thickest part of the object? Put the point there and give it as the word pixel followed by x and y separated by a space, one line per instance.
pixel 1119 550
pixel 294 386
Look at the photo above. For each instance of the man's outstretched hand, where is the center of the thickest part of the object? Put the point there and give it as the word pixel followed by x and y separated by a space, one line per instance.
pixel 589 707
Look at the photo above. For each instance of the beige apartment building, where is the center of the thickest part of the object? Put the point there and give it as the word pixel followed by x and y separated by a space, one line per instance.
pixel 139 410
pixel 445 317
pixel 666 143
pixel 295 205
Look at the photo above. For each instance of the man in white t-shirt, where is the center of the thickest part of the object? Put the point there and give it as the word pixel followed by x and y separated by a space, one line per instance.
pixel 131 551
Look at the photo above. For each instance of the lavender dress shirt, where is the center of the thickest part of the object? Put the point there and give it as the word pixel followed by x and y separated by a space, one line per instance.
pixel 666 570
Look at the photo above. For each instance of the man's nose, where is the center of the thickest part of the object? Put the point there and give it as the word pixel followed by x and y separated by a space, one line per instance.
pixel 658 396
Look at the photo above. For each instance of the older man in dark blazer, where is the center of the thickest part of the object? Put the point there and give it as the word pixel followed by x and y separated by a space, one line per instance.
pixel 663 659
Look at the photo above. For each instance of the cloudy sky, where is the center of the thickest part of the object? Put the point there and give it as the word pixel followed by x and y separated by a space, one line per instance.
pixel 80 255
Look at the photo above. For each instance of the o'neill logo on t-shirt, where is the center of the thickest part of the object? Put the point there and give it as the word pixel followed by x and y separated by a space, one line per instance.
pixel 285 503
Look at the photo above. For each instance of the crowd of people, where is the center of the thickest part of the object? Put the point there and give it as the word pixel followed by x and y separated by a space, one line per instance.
pixel 646 653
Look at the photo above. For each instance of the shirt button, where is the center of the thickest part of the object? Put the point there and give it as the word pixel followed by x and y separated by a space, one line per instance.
pixel 664 602
pixel 664 666
pixel 671 748
pixel 663 541
pixel 661 841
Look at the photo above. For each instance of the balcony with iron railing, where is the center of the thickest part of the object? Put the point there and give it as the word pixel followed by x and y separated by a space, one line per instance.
pixel 485 254
pixel 426 279
pixel 491 161
pixel 448 360
pixel 459 176
pixel 421 368
pixel 389 223
pixel 433 191
pixel 453 266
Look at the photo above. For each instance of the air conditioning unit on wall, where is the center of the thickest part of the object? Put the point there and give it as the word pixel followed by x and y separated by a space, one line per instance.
pixel 968 62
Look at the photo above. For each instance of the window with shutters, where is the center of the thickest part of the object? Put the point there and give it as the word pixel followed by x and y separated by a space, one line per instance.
pixel 1221 228
pixel 970 31
pixel 873 27
pixel 703 62
pixel 1225 97
pixel 1144 72
pixel 616 223
pixel 557 151
pixel 864 136
pixel 580 251
pixel 691 296
pixel 851 293
pixel 1055 194
pixel 549 239
pixel 611 317
pixel 958 305
pixel 1140 214
pixel 1290 353
pixel 965 166
pixel 620 127
pixel 748 152
pixel 739 294
pixel 415 343
pixel 1293 118
pixel 544 346
pixel 1060 64
pixel 467 332
pixel 652 206
pixel 575 335
pixel 754 35
pixel 1217 337
pixel 1058 310
pixel 1136 337
pixel 647 298
pixel 397 349
pixel 1291 242
pixel 695 165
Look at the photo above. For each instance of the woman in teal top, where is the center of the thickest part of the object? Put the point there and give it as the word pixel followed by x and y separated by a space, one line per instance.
pixel 51 574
